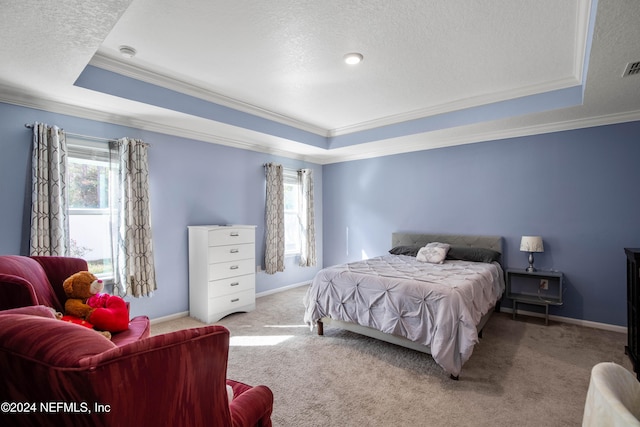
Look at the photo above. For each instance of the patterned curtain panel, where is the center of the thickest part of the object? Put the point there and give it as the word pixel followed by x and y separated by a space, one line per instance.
pixel 274 241
pixel 49 215
pixel 132 248
pixel 307 221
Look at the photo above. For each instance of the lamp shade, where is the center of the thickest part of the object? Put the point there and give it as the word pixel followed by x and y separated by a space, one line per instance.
pixel 531 244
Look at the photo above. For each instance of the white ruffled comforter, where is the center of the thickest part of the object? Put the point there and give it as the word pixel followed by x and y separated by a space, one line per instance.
pixel 437 305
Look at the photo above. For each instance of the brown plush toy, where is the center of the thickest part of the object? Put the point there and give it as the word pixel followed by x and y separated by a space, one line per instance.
pixel 79 287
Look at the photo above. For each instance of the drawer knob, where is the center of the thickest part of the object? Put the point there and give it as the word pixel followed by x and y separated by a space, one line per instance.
pixel 234 234
pixel 234 251
pixel 235 300
pixel 235 283
pixel 234 267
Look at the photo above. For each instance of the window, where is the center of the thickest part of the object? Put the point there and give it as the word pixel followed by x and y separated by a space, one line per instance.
pixel 89 215
pixel 292 241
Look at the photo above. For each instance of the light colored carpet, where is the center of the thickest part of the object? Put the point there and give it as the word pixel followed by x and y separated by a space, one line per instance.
pixel 522 373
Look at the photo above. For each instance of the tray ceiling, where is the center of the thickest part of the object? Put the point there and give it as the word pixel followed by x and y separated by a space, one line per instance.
pixel 270 76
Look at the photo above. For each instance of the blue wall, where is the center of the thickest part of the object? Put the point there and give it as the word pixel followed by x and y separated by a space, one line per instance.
pixel 192 182
pixel 577 189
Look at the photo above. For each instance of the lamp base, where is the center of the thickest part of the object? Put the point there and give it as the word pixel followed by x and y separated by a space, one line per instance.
pixel 531 267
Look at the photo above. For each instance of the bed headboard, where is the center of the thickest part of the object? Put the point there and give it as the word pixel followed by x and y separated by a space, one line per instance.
pixel 421 239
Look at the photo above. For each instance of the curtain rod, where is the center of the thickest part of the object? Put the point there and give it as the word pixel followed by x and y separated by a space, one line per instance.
pixel 77 135
pixel 283 167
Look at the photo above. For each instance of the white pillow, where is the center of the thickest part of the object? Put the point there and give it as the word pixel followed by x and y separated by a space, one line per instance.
pixel 434 252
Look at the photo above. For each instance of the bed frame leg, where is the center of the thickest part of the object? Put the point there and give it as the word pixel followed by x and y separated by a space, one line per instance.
pixel 320 328
pixel 454 377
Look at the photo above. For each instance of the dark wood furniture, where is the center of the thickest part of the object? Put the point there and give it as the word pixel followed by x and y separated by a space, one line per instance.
pixel 633 305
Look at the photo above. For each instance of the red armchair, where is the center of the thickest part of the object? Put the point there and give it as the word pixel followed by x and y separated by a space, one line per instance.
pixel 27 281
pixel 57 373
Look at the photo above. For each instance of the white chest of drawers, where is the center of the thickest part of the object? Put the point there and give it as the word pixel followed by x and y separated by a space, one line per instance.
pixel 222 276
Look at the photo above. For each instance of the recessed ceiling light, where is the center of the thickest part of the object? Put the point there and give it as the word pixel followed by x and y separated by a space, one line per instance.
pixel 127 51
pixel 353 58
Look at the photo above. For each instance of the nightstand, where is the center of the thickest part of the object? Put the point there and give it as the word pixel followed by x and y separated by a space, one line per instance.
pixel 534 287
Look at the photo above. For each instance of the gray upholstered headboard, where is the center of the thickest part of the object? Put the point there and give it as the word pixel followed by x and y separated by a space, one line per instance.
pixel 411 239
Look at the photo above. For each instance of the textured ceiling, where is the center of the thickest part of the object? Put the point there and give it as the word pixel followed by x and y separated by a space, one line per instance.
pixel 286 56
pixel 435 73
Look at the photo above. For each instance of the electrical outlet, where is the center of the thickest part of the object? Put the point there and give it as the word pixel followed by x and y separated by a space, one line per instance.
pixel 544 284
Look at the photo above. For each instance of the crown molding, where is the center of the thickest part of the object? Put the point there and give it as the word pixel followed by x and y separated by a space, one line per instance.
pixel 585 17
pixel 461 104
pixel 126 69
pixel 299 151
pixel 7 95
pixel 421 142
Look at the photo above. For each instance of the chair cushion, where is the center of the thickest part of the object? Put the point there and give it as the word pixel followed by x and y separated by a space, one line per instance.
pixel 50 341
pixel 31 271
pixel 139 327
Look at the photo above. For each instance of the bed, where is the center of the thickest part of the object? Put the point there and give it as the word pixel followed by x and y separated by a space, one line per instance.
pixel 439 309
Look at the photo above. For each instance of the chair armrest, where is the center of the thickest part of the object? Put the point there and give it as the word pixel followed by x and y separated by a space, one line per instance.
pixel 157 343
pixel 176 379
pixel 181 375
pixel 32 310
pixel 252 408
pixel 58 268
pixel 139 328
pixel 16 292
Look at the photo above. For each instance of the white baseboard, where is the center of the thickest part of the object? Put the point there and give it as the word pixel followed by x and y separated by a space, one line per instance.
pixel 585 323
pixel 282 289
pixel 258 295
pixel 169 317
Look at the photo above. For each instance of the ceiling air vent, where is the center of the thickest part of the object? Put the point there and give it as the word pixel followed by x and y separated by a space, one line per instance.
pixel 633 68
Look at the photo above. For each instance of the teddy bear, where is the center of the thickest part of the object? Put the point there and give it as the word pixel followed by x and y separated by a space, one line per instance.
pixel 85 301
pixel 79 287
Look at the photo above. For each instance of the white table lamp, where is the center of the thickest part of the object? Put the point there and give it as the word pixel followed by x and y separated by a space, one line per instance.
pixel 531 244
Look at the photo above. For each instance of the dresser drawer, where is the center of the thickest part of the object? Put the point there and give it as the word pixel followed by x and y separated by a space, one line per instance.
pixel 231 252
pixel 228 303
pixel 231 285
pixel 231 236
pixel 222 270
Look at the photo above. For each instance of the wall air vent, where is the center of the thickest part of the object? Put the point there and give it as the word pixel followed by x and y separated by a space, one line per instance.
pixel 633 68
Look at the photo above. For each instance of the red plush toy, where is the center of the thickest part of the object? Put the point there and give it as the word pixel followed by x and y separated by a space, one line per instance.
pixel 110 313
pixel 76 320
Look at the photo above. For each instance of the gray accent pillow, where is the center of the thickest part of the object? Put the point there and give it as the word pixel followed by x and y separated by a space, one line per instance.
pixel 405 250
pixel 473 254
